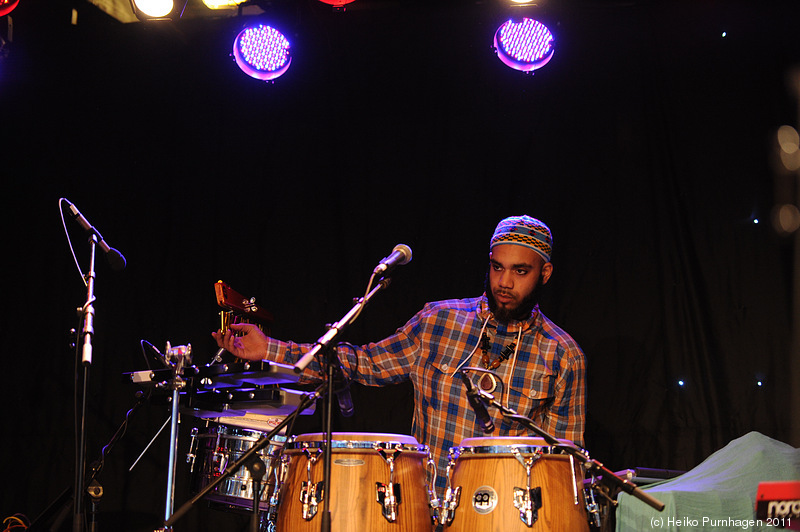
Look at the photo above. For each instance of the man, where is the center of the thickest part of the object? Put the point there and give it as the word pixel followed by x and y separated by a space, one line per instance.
pixel 536 368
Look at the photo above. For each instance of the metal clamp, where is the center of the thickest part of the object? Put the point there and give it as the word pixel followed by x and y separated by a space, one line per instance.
pixel 527 500
pixel 191 456
pixel 388 495
pixel 433 500
pixel 311 493
pixel 452 496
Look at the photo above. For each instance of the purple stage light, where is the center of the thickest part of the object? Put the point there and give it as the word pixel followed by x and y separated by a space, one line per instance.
pixel 262 52
pixel 524 45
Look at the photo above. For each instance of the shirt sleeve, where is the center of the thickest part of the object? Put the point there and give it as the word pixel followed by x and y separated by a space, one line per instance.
pixel 388 361
pixel 566 416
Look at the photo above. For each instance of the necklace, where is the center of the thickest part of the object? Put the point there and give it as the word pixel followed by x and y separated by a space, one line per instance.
pixel 489 382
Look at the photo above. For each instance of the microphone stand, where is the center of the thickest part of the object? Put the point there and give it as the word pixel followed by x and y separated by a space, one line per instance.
pixel 333 365
pixel 86 361
pixel 589 464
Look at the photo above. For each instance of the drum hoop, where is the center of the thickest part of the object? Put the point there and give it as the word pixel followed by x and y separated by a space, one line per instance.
pixel 355 445
pixel 235 434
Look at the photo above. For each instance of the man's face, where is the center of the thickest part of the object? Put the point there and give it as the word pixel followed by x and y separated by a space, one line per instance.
pixel 515 272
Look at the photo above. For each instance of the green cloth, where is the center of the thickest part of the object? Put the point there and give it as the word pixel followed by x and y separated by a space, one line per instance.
pixel 719 494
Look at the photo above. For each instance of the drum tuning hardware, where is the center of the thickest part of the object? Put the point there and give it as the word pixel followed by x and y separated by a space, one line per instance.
pixel 527 500
pixel 191 456
pixel 592 508
pixel 280 474
pixel 431 486
pixel 311 493
pixel 388 495
pixel 452 496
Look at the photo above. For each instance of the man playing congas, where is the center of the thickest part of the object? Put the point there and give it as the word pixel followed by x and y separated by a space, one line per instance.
pixel 537 369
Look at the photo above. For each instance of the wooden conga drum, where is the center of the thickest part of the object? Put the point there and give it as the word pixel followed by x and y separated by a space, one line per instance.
pixel 378 483
pixel 514 485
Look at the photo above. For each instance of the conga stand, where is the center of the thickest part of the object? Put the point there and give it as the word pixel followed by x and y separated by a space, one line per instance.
pixel 592 466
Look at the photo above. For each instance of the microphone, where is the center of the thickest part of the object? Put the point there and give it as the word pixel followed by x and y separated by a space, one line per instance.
pixel 344 398
pixel 342 391
pixel 401 254
pixel 115 258
pixel 481 414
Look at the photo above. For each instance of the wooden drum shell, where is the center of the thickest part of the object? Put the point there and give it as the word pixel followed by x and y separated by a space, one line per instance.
pixel 354 473
pixel 488 462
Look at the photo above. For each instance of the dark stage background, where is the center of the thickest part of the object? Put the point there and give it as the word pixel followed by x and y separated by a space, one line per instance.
pixel 645 144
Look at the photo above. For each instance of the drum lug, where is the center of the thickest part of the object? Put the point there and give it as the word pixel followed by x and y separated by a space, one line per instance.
pixel 311 493
pixel 388 495
pixel 528 501
pixel 191 455
pixel 452 498
pixel 310 496
pixel 431 487
pixel 280 475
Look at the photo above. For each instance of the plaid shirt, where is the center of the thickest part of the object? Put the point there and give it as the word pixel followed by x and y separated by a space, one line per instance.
pixel 547 385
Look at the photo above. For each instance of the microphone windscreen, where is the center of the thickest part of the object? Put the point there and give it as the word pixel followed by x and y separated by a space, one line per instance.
pixel 115 259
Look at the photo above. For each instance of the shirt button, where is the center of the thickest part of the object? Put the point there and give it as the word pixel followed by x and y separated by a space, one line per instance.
pixel 445 367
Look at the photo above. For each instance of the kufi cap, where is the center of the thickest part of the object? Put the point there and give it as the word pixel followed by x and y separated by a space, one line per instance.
pixel 524 231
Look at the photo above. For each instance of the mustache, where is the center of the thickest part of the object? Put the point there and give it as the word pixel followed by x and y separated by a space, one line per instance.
pixel 506 293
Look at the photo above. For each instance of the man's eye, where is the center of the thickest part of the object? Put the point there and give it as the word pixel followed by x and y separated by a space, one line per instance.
pixel 522 272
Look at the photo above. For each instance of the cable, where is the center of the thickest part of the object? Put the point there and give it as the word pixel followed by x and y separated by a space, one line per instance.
pixel 69 241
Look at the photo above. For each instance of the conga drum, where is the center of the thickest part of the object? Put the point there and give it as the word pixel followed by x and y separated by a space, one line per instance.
pixel 378 483
pixel 514 485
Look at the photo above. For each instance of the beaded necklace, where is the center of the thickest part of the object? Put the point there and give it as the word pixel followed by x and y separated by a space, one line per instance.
pixel 489 382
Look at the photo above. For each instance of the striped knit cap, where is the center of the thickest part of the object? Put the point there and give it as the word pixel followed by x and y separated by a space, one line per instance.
pixel 524 231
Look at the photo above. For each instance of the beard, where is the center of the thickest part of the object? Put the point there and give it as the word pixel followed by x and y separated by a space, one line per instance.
pixel 519 313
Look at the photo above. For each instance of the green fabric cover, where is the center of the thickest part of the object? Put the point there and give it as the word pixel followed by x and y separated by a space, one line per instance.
pixel 719 494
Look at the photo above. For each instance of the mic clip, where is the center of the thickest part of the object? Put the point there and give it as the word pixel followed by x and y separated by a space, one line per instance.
pixel 476 397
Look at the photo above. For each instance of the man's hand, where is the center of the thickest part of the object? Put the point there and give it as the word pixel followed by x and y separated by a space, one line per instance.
pixel 251 345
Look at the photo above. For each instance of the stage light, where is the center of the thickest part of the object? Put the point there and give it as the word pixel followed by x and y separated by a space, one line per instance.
pixel 7 6
pixel 222 4
pixel 524 45
pixel 262 52
pixel 337 4
pixel 153 8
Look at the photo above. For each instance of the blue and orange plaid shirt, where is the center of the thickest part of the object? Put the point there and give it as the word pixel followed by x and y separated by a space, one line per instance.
pixel 548 384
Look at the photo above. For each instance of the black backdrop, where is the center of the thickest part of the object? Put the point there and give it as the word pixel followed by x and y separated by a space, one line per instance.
pixel 645 144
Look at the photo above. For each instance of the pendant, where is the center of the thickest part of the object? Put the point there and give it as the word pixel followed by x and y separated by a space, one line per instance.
pixel 488 383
